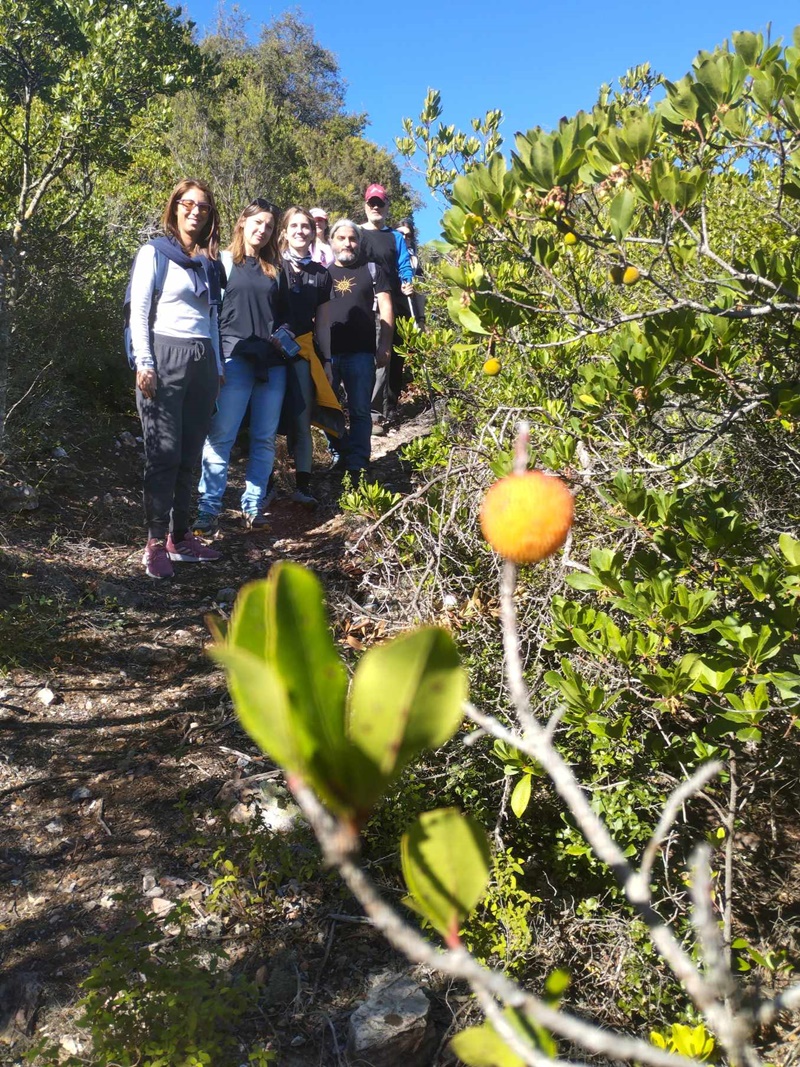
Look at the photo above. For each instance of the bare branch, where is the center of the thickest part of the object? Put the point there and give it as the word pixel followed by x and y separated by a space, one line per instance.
pixel 691 786
pixel 338 846
pixel 705 923
pixel 28 391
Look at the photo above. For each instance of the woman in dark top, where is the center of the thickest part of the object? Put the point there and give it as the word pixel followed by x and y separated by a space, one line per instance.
pixel 255 368
pixel 305 297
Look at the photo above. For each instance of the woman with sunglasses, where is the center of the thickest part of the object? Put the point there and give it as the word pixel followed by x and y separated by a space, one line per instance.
pixel 175 341
pixel 255 368
pixel 305 300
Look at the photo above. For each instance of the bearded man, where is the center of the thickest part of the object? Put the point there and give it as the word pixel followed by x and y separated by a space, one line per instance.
pixel 358 288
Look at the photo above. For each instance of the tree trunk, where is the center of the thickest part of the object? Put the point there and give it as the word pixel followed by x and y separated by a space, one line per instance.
pixel 8 287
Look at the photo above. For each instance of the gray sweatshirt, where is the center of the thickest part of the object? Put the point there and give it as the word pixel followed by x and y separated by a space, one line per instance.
pixel 180 312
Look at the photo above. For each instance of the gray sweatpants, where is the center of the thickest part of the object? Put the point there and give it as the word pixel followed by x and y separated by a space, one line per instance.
pixel 174 426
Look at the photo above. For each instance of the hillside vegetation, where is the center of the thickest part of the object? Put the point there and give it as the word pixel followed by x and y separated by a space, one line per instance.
pixel 568 791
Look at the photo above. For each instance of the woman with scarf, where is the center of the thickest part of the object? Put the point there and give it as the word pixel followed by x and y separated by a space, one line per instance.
pixel 175 340
pixel 305 303
pixel 255 368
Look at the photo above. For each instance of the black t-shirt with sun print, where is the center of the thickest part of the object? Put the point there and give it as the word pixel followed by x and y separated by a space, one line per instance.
pixel 353 307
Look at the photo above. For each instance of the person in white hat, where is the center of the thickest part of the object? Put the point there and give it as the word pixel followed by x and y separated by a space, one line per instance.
pixel 321 251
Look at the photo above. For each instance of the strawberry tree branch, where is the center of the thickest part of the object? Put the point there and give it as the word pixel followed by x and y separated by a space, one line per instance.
pixel 338 847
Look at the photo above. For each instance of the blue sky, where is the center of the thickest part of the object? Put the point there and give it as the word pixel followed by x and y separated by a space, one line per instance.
pixel 534 61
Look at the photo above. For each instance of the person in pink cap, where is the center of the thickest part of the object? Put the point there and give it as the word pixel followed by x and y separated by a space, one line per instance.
pixel 321 251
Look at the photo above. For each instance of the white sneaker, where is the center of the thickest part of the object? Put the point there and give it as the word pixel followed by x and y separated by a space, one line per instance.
pixel 306 499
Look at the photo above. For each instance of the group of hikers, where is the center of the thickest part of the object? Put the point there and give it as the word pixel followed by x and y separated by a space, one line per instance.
pixel 293 315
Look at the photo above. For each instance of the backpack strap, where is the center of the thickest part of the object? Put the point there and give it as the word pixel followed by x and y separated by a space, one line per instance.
pixel 161 266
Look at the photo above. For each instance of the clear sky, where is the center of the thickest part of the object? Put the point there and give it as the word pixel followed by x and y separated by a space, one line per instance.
pixel 536 61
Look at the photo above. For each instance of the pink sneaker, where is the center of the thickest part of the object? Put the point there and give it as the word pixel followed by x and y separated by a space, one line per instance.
pixel 156 561
pixel 190 549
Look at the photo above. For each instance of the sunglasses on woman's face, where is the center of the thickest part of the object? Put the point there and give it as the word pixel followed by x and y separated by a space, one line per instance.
pixel 190 205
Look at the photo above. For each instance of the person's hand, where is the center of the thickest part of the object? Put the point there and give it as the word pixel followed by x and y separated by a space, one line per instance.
pixel 382 357
pixel 407 288
pixel 327 366
pixel 146 382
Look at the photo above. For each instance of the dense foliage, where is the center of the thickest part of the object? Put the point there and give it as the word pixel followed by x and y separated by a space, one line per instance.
pixel 634 273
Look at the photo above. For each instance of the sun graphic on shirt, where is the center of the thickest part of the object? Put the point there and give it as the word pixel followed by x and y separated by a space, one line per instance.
pixel 344 285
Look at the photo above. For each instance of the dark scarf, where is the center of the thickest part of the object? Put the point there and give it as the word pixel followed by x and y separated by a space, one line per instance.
pixel 295 260
pixel 204 272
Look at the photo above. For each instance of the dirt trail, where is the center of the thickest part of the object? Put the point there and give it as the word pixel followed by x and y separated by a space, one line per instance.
pixel 113 778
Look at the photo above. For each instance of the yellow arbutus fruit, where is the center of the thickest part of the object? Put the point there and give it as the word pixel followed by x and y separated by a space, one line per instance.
pixel 615 274
pixel 630 276
pixel 492 366
pixel 526 517
pixel 570 238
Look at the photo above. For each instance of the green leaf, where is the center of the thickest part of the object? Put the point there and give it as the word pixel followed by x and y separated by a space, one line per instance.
pixel 248 626
pixel 556 985
pixel 748 46
pixel 407 695
pixel 482 1046
pixel 621 213
pixel 303 652
pixel 446 859
pixel 711 75
pixel 520 798
pixel 585 582
pixel 262 704
pixel 298 715
pixel 542 162
pixel 465 194
pixel 464 316
pixel 790 547
pixel 289 687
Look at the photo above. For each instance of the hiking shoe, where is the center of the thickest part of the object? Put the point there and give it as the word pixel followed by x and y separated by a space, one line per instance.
pixel 254 520
pixel 156 561
pixel 270 498
pixel 206 524
pixel 190 549
pixel 300 496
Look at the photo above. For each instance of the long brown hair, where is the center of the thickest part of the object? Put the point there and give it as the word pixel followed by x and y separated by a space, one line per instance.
pixel 268 256
pixel 285 219
pixel 208 236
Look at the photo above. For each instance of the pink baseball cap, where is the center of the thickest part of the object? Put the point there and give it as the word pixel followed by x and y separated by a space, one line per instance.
pixel 376 192
pixel 318 213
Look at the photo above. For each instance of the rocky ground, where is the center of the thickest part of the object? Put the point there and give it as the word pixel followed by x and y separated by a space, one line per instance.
pixel 124 776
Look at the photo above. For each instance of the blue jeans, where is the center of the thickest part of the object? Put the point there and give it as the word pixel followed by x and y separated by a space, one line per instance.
pixel 356 372
pixel 266 399
pixel 301 396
